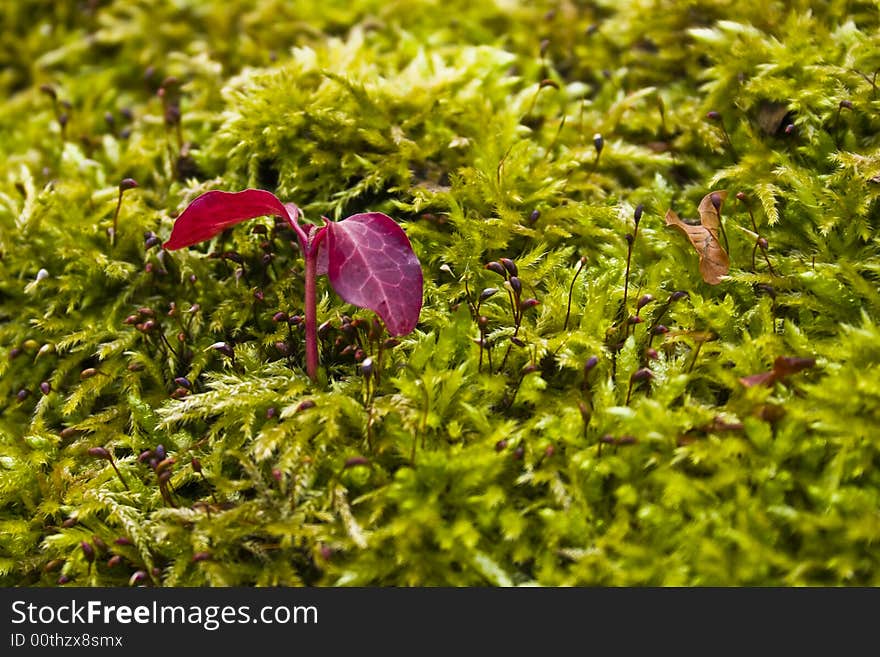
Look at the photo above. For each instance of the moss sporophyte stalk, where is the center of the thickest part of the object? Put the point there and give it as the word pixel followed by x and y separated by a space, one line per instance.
pixel 576 297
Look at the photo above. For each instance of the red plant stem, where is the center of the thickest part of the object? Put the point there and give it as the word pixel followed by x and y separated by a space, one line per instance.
pixel 310 253
pixel 311 319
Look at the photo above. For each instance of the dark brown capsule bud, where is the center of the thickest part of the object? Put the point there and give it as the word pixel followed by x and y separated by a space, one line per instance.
pixel 790 129
pixel 390 343
pixel 536 214
pixel 179 393
pixel 626 440
pixel 14 353
pixel 497 267
pixel 279 317
pixel 163 476
pixel 131 319
pixel 644 301
pixel 282 347
pixel 259 229
pixel 367 367
pixel 294 320
pixel 501 445
pixel 138 577
pixel 196 465
pixel 277 474
pixel 145 456
pixel 160 452
pixel 70 522
pixel 359 354
pixel 99 543
pixel 325 327
pixel 846 104
pixel 22 394
pixel 488 292
pixel 642 374
pixel 528 369
pixel 49 90
pixel 483 321
pixel 304 405
pixel 259 295
pixel 355 461
pixel 99 453
pixel 715 197
pixel 763 243
pixel 53 565
pixel 183 382
pixel 516 284
pixel 651 353
pixel 741 196
pixel 660 329
pixel 634 319
pixel 271 412
pixel 64 579
pixel 526 304
pixel 608 439
pixel 678 296
pixel 123 540
pixel 519 452
pixel 114 561
pixel 223 348
pixel 629 238
pixel 127 183
pixel 598 142
pixel 549 451
pixel 509 265
pixel 592 361
pixel 88 551
pixel 148 326
pixel 713 116
pixel 637 215
pixel 68 433
pixel 201 556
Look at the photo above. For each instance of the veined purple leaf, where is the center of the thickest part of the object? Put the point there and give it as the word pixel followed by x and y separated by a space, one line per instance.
pixel 371 264
pixel 214 211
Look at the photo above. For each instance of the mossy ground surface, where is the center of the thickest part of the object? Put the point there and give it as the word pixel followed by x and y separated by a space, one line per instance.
pixel 475 126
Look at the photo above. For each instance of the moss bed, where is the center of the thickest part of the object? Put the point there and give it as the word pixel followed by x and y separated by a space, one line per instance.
pixel 617 433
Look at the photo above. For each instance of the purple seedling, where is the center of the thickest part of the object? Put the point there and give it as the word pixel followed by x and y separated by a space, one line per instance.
pixel 367 257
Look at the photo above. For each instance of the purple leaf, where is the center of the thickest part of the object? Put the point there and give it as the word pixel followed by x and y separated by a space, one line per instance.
pixel 214 211
pixel 371 264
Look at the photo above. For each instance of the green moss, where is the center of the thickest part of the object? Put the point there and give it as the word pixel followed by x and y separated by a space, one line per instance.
pixel 455 464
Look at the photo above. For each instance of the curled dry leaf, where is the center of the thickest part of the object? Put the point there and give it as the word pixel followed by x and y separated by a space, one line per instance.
pixel 714 262
pixel 783 367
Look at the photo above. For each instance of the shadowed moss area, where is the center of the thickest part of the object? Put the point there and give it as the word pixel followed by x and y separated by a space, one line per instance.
pixel 612 432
